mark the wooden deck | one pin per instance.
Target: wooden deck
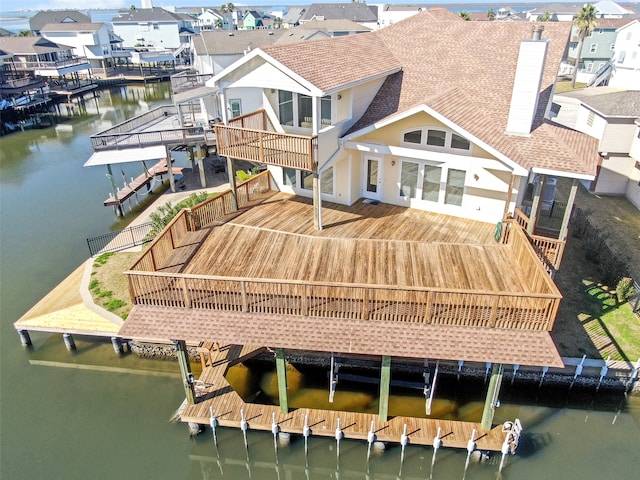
(226, 405)
(63, 311)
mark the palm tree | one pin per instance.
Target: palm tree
(585, 22)
(464, 15)
(545, 17)
(491, 15)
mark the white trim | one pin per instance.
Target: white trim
(558, 173)
(430, 155)
(515, 167)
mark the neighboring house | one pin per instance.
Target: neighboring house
(625, 67)
(564, 12)
(560, 12)
(293, 16)
(612, 115)
(252, 20)
(43, 18)
(358, 12)
(334, 28)
(91, 40)
(39, 57)
(597, 48)
(215, 50)
(210, 19)
(154, 27)
(609, 9)
(506, 14)
(390, 14)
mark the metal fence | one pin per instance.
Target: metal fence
(120, 240)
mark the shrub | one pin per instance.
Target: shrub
(612, 267)
(594, 244)
(243, 176)
(625, 289)
(580, 222)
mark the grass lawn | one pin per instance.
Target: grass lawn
(108, 286)
(564, 86)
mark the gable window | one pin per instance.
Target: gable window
(594, 48)
(459, 142)
(455, 187)
(414, 136)
(436, 138)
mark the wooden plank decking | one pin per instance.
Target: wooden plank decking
(226, 405)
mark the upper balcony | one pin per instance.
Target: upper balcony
(53, 68)
(247, 138)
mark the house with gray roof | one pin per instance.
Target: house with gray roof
(612, 116)
(46, 17)
(155, 28)
(92, 40)
(293, 16)
(358, 12)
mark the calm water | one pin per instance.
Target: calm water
(92, 415)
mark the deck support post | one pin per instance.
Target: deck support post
(490, 403)
(507, 203)
(281, 370)
(172, 181)
(117, 208)
(25, 339)
(317, 202)
(116, 343)
(185, 370)
(385, 380)
(568, 209)
(203, 174)
(232, 182)
(535, 203)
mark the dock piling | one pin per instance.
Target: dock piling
(117, 345)
(25, 339)
(68, 341)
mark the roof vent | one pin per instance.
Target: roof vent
(230, 34)
(270, 33)
(536, 32)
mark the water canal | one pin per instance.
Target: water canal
(92, 415)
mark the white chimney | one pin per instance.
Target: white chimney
(526, 86)
(147, 3)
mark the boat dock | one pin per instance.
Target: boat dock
(214, 394)
(138, 183)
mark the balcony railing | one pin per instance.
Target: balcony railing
(549, 250)
(247, 138)
(50, 65)
(184, 81)
(128, 134)
(151, 282)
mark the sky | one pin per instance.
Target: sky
(11, 5)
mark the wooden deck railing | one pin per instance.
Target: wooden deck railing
(246, 138)
(528, 311)
(549, 250)
(490, 309)
(201, 216)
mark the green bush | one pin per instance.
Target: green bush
(243, 176)
(625, 289)
(594, 244)
(580, 222)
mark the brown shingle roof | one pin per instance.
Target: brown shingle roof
(463, 70)
(398, 339)
(338, 61)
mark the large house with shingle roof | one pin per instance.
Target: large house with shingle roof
(404, 132)
(46, 17)
(358, 12)
(385, 156)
